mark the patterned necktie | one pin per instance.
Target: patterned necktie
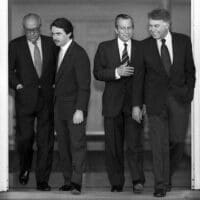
(125, 57)
(37, 59)
(165, 57)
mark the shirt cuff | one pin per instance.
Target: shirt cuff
(117, 76)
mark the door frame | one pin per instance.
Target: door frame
(195, 114)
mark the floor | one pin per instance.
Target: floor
(98, 194)
(95, 182)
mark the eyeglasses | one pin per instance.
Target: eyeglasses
(129, 28)
(32, 30)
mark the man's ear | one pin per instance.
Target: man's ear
(69, 34)
(168, 25)
(116, 31)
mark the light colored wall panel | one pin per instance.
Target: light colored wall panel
(4, 97)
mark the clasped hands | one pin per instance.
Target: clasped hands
(125, 70)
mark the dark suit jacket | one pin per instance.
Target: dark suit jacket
(22, 70)
(107, 59)
(152, 84)
(72, 83)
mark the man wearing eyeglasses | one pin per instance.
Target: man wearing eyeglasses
(114, 64)
(32, 66)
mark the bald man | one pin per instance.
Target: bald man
(32, 65)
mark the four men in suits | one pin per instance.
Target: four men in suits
(159, 73)
(72, 92)
(114, 64)
(32, 65)
(164, 81)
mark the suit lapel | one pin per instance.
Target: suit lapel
(115, 53)
(65, 61)
(44, 54)
(27, 55)
(132, 51)
(175, 48)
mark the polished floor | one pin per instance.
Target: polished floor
(95, 182)
(98, 194)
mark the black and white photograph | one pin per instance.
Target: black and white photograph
(100, 99)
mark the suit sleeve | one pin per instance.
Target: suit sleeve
(12, 70)
(138, 79)
(83, 75)
(189, 70)
(102, 71)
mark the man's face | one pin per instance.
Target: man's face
(124, 29)
(32, 29)
(158, 28)
(59, 36)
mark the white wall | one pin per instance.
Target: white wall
(3, 97)
(196, 105)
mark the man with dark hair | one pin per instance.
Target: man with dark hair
(164, 82)
(32, 66)
(72, 92)
(114, 64)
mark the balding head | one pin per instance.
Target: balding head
(31, 25)
(31, 19)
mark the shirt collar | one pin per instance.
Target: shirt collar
(38, 41)
(168, 37)
(66, 46)
(121, 43)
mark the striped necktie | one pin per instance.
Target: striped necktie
(125, 57)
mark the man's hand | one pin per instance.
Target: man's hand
(78, 117)
(137, 114)
(144, 110)
(125, 70)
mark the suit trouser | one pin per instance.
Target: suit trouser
(25, 135)
(72, 149)
(116, 129)
(167, 134)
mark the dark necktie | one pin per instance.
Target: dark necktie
(165, 56)
(37, 59)
(125, 58)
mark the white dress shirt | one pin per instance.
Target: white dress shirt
(62, 52)
(121, 48)
(32, 46)
(168, 43)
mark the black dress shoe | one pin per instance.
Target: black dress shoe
(138, 188)
(65, 188)
(159, 193)
(43, 186)
(24, 177)
(116, 188)
(75, 188)
(168, 188)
